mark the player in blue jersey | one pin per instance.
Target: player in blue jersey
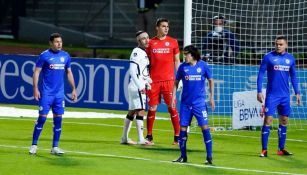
(193, 73)
(51, 66)
(279, 65)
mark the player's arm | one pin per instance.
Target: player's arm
(71, 81)
(211, 88)
(133, 71)
(294, 82)
(36, 92)
(173, 104)
(177, 61)
(262, 70)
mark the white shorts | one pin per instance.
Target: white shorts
(136, 100)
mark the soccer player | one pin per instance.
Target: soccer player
(49, 91)
(279, 64)
(193, 74)
(139, 83)
(163, 52)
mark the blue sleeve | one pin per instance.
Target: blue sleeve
(262, 70)
(294, 80)
(179, 73)
(67, 65)
(40, 61)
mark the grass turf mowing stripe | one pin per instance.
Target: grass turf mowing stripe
(160, 161)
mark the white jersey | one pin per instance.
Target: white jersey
(139, 72)
(139, 64)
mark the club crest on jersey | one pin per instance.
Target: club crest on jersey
(287, 61)
(198, 70)
(186, 77)
(266, 109)
(167, 43)
(135, 54)
(62, 59)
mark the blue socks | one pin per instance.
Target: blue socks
(265, 136)
(38, 129)
(282, 134)
(183, 137)
(208, 142)
(57, 128)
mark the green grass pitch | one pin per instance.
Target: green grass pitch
(92, 147)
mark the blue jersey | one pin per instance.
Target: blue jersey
(193, 81)
(54, 65)
(278, 67)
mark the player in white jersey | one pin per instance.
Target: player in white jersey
(139, 83)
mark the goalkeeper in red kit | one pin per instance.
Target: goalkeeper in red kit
(163, 52)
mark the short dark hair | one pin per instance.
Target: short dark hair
(193, 51)
(54, 35)
(160, 20)
(281, 37)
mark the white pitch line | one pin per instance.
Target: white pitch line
(161, 161)
(163, 130)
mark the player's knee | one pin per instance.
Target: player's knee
(268, 120)
(204, 127)
(183, 128)
(130, 117)
(152, 108)
(138, 117)
(172, 111)
(283, 120)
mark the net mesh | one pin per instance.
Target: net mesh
(255, 24)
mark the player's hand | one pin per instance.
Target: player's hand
(298, 99)
(212, 104)
(74, 95)
(148, 79)
(260, 97)
(147, 86)
(180, 86)
(173, 104)
(36, 94)
(143, 91)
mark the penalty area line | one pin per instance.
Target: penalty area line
(160, 161)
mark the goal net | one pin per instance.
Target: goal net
(254, 24)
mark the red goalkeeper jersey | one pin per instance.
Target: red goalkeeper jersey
(161, 54)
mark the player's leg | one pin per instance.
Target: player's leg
(265, 133)
(44, 107)
(284, 112)
(185, 120)
(140, 127)
(126, 129)
(270, 108)
(167, 89)
(201, 115)
(134, 102)
(154, 98)
(58, 110)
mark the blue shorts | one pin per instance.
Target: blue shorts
(56, 103)
(281, 103)
(199, 112)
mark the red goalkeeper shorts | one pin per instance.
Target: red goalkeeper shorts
(159, 89)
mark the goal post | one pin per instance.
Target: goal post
(254, 24)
